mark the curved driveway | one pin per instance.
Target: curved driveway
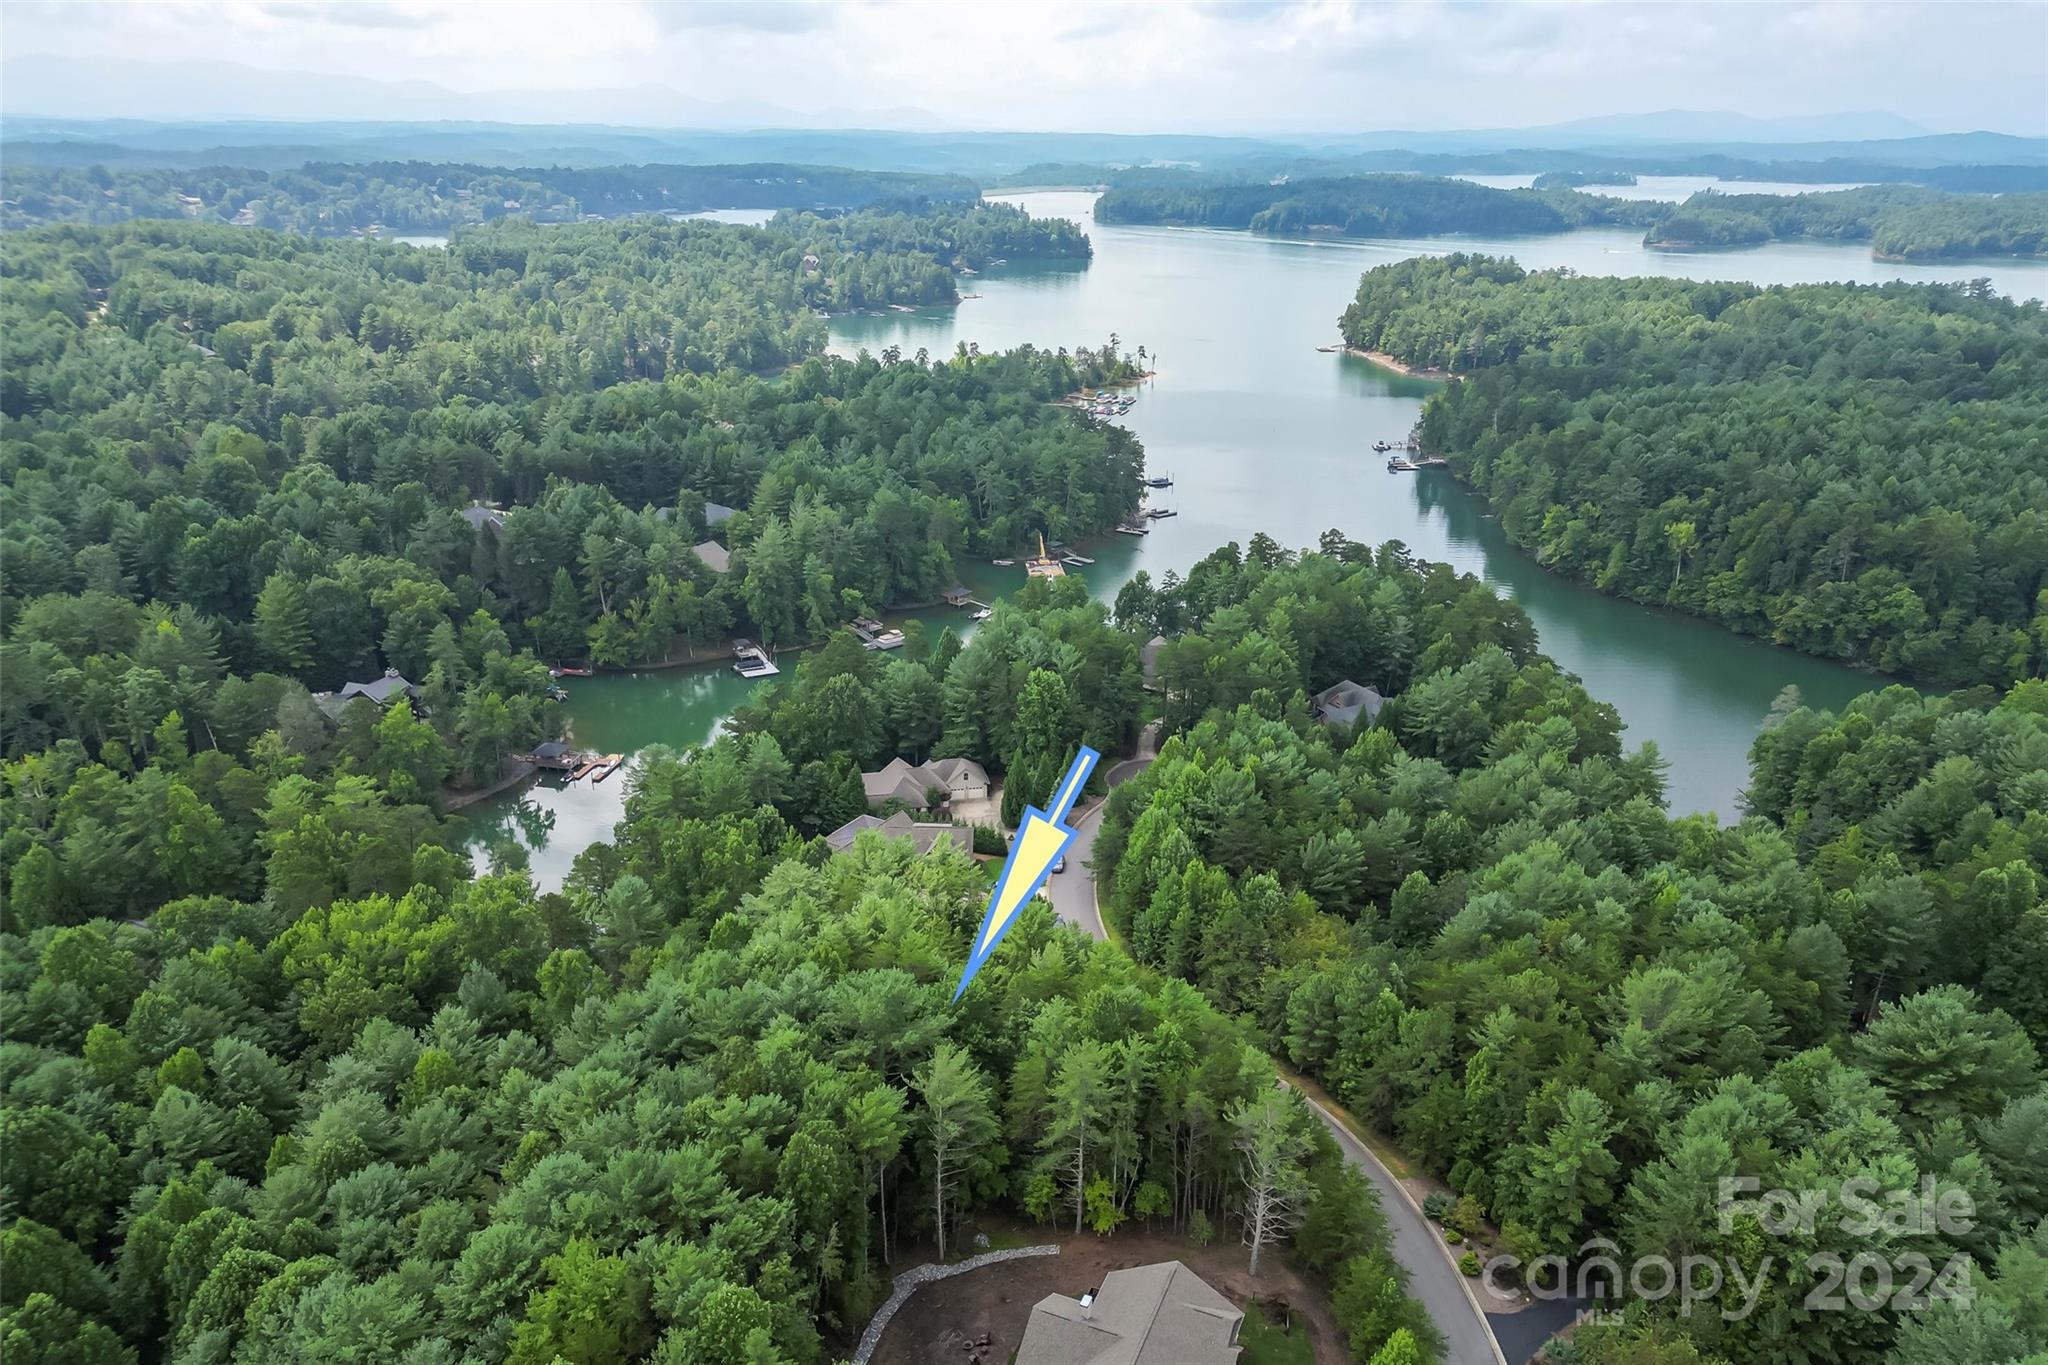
(1433, 1277)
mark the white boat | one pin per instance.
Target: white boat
(981, 615)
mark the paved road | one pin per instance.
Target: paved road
(1433, 1278)
(1073, 891)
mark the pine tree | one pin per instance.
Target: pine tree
(959, 1122)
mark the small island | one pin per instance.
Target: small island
(1572, 180)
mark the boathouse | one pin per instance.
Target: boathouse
(555, 754)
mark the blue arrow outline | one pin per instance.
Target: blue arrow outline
(1062, 802)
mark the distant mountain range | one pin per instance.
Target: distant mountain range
(1689, 127)
(232, 115)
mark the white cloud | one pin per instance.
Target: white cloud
(1209, 65)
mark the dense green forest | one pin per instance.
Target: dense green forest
(1572, 180)
(1858, 472)
(689, 1109)
(1365, 206)
(1902, 223)
(1473, 922)
(286, 1079)
(336, 198)
(236, 470)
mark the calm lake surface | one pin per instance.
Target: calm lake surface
(1671, 189)
(1260, 431)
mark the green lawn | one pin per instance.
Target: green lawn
(1266, 1344)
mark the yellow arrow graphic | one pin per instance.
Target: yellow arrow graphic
(1041, 839)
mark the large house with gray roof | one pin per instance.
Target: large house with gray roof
(926, 837)
(1161, 1314)
(910, 784)
(380, 692)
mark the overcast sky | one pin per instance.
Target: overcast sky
(1198, 65)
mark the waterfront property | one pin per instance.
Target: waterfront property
(716, 557)
(1161, 1314)
(556, 756)
(379, 692)
(754, 663)
(1044, 565)
(926, 836)
(911, 785)
(1345, 702)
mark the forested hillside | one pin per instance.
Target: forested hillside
(696, 1108)
(236, 470)
(1474, 924)
(1900, 222)
(1366, 206)
(335, 198)
(1858, 472)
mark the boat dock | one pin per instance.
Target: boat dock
(876, 635)
(755, 664)
(1068, 557)
(1044, 566)
(1134, 528)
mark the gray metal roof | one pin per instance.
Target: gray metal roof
(1161, 1314)
(1342, 703)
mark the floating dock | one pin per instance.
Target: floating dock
(875, 635)
(606, 766)
(1134, 528)
(755, 665)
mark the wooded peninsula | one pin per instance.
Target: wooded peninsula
(1851, 470)
(1901, 222)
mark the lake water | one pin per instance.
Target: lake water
(741, 217)
(1669, 188)
(1260, 431)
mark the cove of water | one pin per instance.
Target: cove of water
(1260, 431)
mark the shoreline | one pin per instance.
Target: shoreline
(1080, 396)
(465, 799)
(1387, 362)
